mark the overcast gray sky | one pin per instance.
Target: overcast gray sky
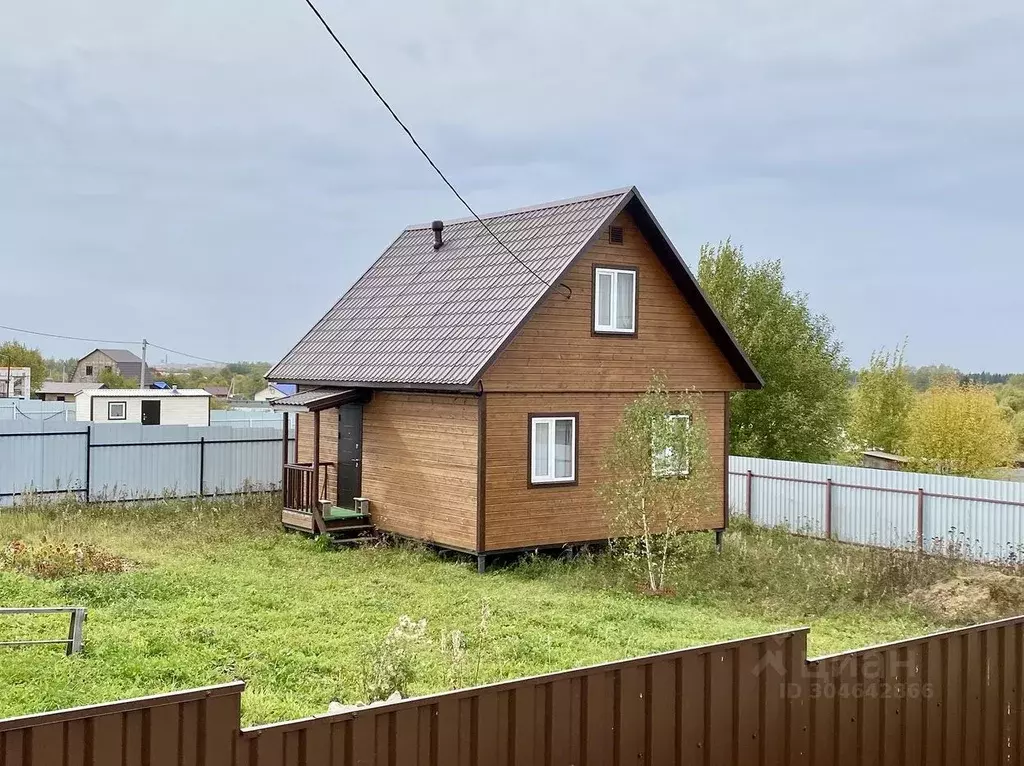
(213, 175)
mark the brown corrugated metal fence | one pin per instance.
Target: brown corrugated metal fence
(951, 698)
(198, 727)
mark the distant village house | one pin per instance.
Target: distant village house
(54, 391)
(274, 391)
(219, 392)
(15, 382)
(118, 360)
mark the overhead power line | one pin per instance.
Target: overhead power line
(69, 337)
(423, 151)
(182, 353)
(104, 340)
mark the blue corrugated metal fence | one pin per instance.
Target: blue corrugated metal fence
(107, 461)
(982, 519)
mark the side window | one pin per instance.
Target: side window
(614, 301)
(667, 460)
(88, 369)
(116, 410)
(552, 452)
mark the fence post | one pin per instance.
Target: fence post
(75, 630)
(920, 518)
(828, 509)
(750, 487)
(88, 459)
(202, 463)
(284, 445)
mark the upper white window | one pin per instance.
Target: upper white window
(116, 410)
(614, 300)
(666, 459)
(552, 449)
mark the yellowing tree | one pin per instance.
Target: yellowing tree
(959, 430)
(882, 401)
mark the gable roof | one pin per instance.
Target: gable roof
(57, 387)
(420, 318)
(119, 355)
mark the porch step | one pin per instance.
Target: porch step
(353, 535)
(334, 513)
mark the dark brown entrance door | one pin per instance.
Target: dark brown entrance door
(350, 454)
(150, 412)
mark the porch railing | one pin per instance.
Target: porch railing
(302, 491)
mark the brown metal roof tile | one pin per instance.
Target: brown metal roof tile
(420, 316)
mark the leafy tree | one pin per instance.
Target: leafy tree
(661, 480)
(60, 369)
(959, 430)
(882, 401)
(113, 379)
(922, 378)
(14, 354)
(1011, 397)
(804, 406)
(246, 386)
(1017, 423)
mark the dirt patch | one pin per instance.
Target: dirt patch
(983, 595)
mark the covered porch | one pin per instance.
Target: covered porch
(321, 492)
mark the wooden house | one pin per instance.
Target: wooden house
(464, 389)
(118, 360)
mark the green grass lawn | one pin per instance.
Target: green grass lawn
(217, 592)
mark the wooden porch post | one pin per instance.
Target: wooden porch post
(316, 452)
(318, 519)
(284, 443)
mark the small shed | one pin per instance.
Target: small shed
(885, 461)
(54, 391)
(149, 406)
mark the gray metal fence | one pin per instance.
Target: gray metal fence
(129, 461)
(249, 415)
(982, 519)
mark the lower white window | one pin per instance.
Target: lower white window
(668, 458)
(552, 449)
(116, 410)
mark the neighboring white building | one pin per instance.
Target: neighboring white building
(149, 406)
(15, 382)
(53, 391)
(274, 391)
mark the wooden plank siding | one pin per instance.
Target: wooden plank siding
(328, 446)
(556, 351)
(420, 466)
(557, 364)
(518, 516)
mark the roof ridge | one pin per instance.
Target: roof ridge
(530, 208)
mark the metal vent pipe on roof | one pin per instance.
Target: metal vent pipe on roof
(438, 227)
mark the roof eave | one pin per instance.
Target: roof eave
(448, 388)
